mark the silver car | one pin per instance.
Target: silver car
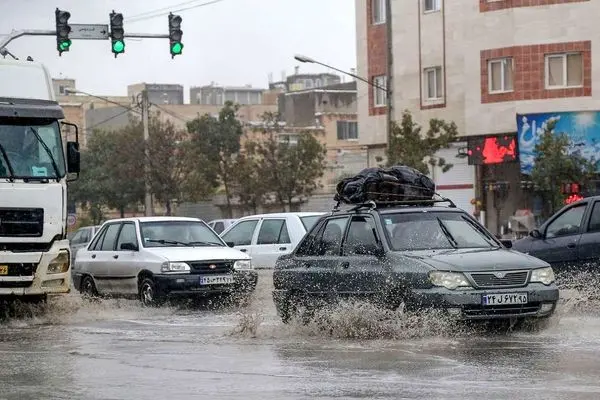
(81, 238)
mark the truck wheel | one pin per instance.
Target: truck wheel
(149, 295)
(88, 287)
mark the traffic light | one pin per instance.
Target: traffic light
(175, 34)
(63, 43)
(117, 34)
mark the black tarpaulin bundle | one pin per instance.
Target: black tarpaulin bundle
(397, 183)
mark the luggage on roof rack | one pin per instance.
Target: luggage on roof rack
(386, 185)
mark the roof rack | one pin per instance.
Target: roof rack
(374, 204)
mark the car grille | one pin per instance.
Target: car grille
(499, 311)
(24, 222)
(204, 267)
(18, 269)
(490, 280)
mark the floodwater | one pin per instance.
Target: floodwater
(115, 349)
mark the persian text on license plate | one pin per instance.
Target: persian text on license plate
(3, 269)
(504, 299)
(216, 280)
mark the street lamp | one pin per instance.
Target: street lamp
(387, 90)
(305, 59)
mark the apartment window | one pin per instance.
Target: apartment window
(432, 5)
(433, 83)
(379, 94)
(347, 130)
(500, 75)
(564, 70)
(378, 11)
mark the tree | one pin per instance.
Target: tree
(217, 142)
(554, 166)
(290, 169)
(167, 148)
(408, 147)
(250, 186)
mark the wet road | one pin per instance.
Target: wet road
(118, 350)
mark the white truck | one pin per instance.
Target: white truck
(34, 166)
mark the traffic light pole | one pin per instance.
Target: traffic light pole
(148, 211)
(37, 32)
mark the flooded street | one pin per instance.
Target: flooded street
(116, 349)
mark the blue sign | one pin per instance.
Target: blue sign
(582, 127)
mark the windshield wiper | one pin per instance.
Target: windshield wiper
(163, 241)
(451, 239)
(48, 151)
(205, 243)
(11, 178)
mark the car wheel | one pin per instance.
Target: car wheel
(88, 287)
(149, 295)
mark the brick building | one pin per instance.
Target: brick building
(499, 69)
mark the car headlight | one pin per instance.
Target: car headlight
(60, 263)
(242, 264)
(542, 275)
(449, 280)
(175, 267)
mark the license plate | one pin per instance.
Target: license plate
(504, 298)
(3, 269)
(216, 280)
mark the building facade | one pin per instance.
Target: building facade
(158, 93)
(217, 95)
(494, 67)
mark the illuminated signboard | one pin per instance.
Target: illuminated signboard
(492, 149)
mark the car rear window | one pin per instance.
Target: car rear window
(309, 222)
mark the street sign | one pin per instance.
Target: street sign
(72, 219)
(89, 31)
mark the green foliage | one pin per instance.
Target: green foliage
(408, 147)
(288, 170)
(554, 167)
(250, 187)
(215, 143)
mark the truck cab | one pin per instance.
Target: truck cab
(35, 164)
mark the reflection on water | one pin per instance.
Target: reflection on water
(75, 349)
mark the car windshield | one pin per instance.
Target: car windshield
(309, 222)
(31, 149)
(178, 233)
(434, 230)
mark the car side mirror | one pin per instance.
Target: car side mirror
(230, 244)
(507, 243)
(536, 234)
(73, 157)
(129, 246)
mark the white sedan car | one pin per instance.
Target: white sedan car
(265, 237)
(155, 257)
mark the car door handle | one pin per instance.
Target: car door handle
(93, 256)
(116, 256)
(571, 245)
(282, 248)
(244, 250)
(345, 264)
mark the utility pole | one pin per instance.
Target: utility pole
(148, 211)
(390, 69)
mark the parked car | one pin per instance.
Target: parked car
(568, 240)
(80, 239)
(424, 256)
(265, 237)
(219, 225)
(156, 257)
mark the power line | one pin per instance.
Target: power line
(106, 120)
(162, 9)
(159, 13)
(105, 99)
(172, 114)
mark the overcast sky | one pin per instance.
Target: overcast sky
(231, 42)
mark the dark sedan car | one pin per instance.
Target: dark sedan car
(424, 257)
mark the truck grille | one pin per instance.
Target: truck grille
(21, 222)
(16, 270)
(204, 267)
(500, 311)
(505, 279)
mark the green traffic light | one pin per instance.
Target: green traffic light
(118, 46)
(176, 48)
(64, 45)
